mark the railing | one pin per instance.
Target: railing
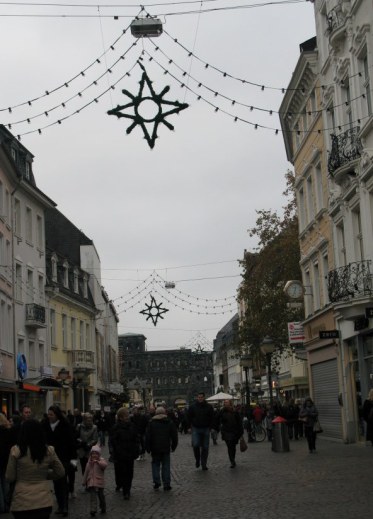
(346, 147)
(335, 18)
(35, 315)
(350, 281)
(83, 359)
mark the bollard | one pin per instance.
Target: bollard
(280, 437)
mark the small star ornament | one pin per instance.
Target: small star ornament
(154, 311)
(157, 99)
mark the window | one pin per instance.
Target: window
(28, 170)
(64, 331)
(28, 224)
(41, 289)
(85, 286)
(308, 298)
(31, 354)
(41, 354)
(73, 333)
(357, 234)
(65, 274)
(341, 246)
(17, 217)
(301, 208)
(316, 286)
(325, 271)
(39, 232)
(30, 286)
(18, 282)
(366, 84)
(346, 94)
(87, 336)
(310, 202)
(81, 335)
(7, 205)
(319, 188)
(76, 281)
(54, 268)
(52, 326)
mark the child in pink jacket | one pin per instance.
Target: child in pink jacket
(94, 480)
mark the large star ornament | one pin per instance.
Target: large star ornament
(138, 119)
(154, 311)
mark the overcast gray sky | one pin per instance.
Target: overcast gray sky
(183, 208)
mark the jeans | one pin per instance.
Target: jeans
(94, 493)
(158, 461)
(200, 442)
(101, 438)
(311, 438)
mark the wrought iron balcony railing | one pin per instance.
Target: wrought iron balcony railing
(346, 147)
(353, 280)
(83, 360)
(335, 18)
(35, 316)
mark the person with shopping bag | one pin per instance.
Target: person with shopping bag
(231, 427)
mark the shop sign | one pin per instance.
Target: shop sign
(369, 312)
(329, 334)
(361, 323)
(296, 333)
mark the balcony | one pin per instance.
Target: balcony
(351, 281)
(83, 360)
(346, 147)
(335, 19)
(35, 316)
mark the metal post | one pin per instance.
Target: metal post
(269, 363)
(247, 387)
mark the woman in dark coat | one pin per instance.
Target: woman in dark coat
(230, 424)
(60, 435)
(7, 440)
(126, 445)
(368, 416)
(308, 415)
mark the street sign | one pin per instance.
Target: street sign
(296, 333)
(329, 334)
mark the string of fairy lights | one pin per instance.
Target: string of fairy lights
(183, 82)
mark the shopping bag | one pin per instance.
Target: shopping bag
(243, 444)
(317, 427)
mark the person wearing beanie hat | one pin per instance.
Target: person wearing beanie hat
(93, 479)
(161, 438)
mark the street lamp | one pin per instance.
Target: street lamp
(267, 347)
(246, 363)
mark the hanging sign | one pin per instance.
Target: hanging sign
(296, 333)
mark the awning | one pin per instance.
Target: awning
(8, 386)
(39, 383)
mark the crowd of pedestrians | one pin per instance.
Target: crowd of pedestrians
(34, 453)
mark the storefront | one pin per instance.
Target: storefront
(37, 393)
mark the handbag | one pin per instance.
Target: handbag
(317, 427)
(243, 444)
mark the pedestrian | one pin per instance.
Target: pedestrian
(101, 420)
(26, 412)
(291, 415)
(200, 419)
(59, 434)
(31, 464)
(7, 440)
(368, 416)
(140, 421)
(94, 481)
(268, 422)
(161, 438)
(308, 415)
(87, 437)
(126, 447)
(231, 428)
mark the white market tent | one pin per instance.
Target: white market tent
(219, 396)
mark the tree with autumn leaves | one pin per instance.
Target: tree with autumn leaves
(265, 273)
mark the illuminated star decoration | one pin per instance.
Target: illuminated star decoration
(138, 119)
(154, 311)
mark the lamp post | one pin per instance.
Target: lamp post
(246, 362)
(267, 347)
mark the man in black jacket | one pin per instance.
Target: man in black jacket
(201, 418)
(161, 437)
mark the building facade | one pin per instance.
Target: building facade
(172, 376)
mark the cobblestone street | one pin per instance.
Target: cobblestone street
(336, 481)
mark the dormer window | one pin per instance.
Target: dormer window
(85, 286)
(76, 280)
(14, 155)
(54, 268)
(66, 274)
(28, 170)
